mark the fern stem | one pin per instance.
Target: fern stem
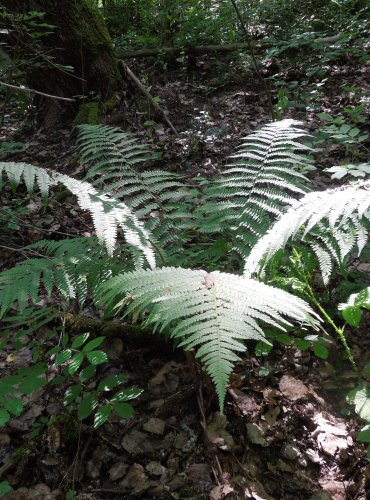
(159, 251)
(339, 331)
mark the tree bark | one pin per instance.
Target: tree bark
(79, 40)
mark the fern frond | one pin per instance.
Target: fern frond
(113, 158)
(330, 221)
(212, 312)
(107, 213)
(73, 267)
(261, 180)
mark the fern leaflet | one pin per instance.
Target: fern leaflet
(330, 221)
(212, 312)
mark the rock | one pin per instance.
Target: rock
(4, 439)
(117, 471)
(133, 442)
(290, 452)
(155, 426)
(199, 475)
(136, 481)
(156, 469)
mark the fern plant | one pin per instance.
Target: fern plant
(331, 221)
(260, 181)
(113, 159)
(213, 313)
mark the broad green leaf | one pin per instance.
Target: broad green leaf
(102, 415)
(320, 350)
(97, 357)
(5, 488)
(63, 357)
(14, 405)
(81, 339)
(87, 373)
(263, 349)
(123, 410)
(93, 344)
(360, 397)
(302, 344)
(344, 129)
(87, 406)
(4, 417)
(325, 117)
(126, 394)
(75, 363)
(32, 384)
(109, 383)
(71, 394)
(364, 434)
(283, 338)
(352, 315)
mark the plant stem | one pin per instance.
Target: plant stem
(337, 329)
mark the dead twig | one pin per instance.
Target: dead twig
(22, 88)
(147, 94)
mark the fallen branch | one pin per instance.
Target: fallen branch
(147, 94)
(198, 50)
(22, 88)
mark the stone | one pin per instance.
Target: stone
(155, 426)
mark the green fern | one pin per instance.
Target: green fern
(330, 221)
(113, 159)
(261, 180)
(212, 312)
(107, 213)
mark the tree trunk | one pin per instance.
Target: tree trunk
(79, 40)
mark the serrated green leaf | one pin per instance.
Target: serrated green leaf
(263, 349)
(4, 417)
(87, 406)
(102, 415)
(80, 340)
(352, 315)
(325, 117)
(71, 394)
(123, 410)
(97, 357)
(283, 338)
(14, 405)
(5, 488)
(360, 397)
(32, 384)
(364, 434)
(87, 373)
(75, 363)
(93, 344)
(320, 350)
(126, 395)
(302, 344)
(63, 357)
(110, 382)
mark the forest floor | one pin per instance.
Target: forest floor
(287, 431)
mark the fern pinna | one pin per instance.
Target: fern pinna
(212, 312)
(331, 222)
(107, 213)
(113, 159)
(260, 181)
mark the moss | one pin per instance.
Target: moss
(88, 113)
(111, 103)
(93, 30)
